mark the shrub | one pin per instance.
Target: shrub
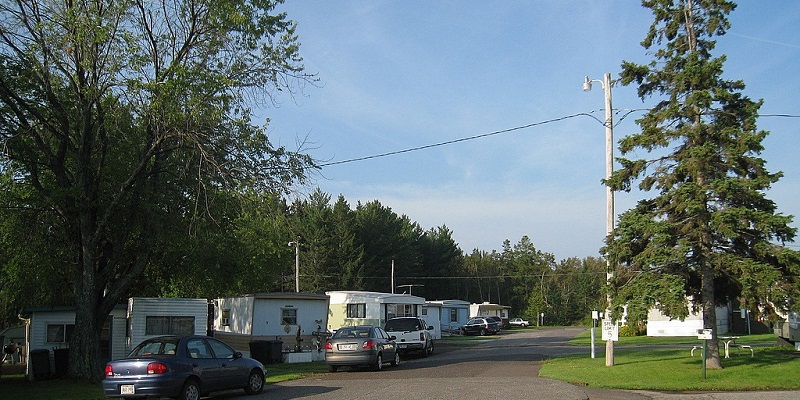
(631, 330)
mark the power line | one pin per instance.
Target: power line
(625, 113)
(448, 142)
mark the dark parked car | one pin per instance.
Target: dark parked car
(498, 320)
(185, 367)
(480, 326)
(361, 345)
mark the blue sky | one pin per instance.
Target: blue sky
(396, 75)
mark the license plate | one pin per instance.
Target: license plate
(127, 389)
(401, 346)
(347, 347)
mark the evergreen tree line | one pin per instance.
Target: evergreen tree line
(241, 246)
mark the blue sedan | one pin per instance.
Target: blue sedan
(184, 367)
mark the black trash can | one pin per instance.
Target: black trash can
(266, 351)
(61, 361)
(276, 351)
(40, 364)
(260, 350)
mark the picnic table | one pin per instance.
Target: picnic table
(729, 341)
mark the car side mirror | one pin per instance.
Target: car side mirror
(237, 354)
(430, 328)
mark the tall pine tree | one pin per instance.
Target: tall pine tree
(709, 234)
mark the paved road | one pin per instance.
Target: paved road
(504, 368)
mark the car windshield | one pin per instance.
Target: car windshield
(402, 324)
(353, 332)
(153, 347)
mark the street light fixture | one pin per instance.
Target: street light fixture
(296, 246)
(609, 125)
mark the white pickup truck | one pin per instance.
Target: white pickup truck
(412, 334)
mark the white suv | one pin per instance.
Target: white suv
(412, 333)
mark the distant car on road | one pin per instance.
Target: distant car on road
(519, 322)
(361, 345)
(480, 326)
(185, 367)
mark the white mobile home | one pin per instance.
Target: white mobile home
(487, 309)
(48, 330)
(294, 319)
(453, 314)
(155, 316)
(431, 313)
(659, 324)
(348, 308)
(47, 334)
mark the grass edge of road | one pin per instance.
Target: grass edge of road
(666, 364)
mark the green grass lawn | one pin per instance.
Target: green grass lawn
(584, 339)
(287, 372)
(673, 368)
(15, 387)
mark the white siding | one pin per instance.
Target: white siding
(461, 308)
(430, 314)
(38, 334)
(39, 322)
(659, 324)
(267, 316)
(375, 304)
(241, 314)
(488, 310)
(139, 308)
(119, 328)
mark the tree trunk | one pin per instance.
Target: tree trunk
(84, 349)
(710, 317)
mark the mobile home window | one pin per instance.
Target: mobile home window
(400, 310)
(406, 310)
(289, 316)
(171, 325)
(453, 315)
(59, 333)
(358, 310)
(226, 317)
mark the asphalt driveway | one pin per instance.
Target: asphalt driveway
(503, 368)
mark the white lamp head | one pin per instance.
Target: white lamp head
(587, 84)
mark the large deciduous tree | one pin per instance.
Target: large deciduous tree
(709, 234)
(118, 116)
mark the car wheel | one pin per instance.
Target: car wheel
(483, 332)
(190, 390)
(378, 363)
(255, 383)
(333, 368)
(396, 362)
(429, 350)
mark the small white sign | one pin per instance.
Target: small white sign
(595, 314)
(610, 330)
(704, 334)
